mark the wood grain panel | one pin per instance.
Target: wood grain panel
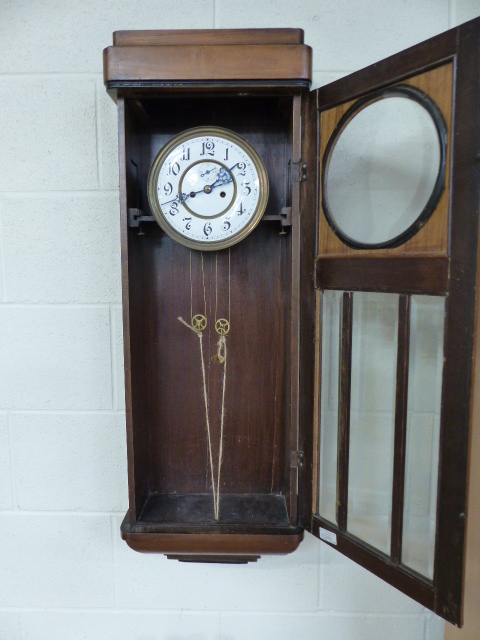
(137, 445)
(208, 63)
(308, 233)
(400, 274)
(433, 237)
(167, 381)
(207, 36)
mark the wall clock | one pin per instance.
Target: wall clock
(299, 277)
(208, 188)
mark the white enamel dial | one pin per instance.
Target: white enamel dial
(208, 188)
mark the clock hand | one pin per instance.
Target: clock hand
(193, 194)
(224, 176)
(219, 170)
(179, 199)
(236, 165)
(208, 171)
(186, 196)
(173, 200)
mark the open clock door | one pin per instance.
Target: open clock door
(395, 307)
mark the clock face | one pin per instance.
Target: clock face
(208, 188)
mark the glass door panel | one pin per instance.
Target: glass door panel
(328, 458)
(372, 417)
(423, 432)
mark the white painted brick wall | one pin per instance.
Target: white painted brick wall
(69, 461)
(64, 572)
(6, 501)
(62, 249)
(56, 560)
(48, 133)
(55, 357)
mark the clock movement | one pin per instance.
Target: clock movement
(299, 274)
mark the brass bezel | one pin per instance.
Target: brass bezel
(180, 139)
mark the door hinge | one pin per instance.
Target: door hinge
(298, 171)
(297, 458)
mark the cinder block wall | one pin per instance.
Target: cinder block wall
(64, 572)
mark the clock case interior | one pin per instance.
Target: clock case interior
(256, 83)
(173, 485)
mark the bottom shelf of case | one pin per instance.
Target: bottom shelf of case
(196, 509)
(183, 527)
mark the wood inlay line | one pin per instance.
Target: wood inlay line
(344, 409)
(401, 400)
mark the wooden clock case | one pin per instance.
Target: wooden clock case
(256, 82)
(163, 89)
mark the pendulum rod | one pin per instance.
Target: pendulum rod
(222, 327)
(198, 325)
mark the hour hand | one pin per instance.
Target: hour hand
(223, 177)
(183, 197)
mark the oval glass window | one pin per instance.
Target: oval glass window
(384, 168)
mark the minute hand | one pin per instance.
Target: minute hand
(240, 165)
(224, 176)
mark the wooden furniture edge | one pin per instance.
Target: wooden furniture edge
(217, 544)
(433, 53)
(369, 558)
(152, 37)
(471, 578)
(207, 63)
(471, 615)
(459, 344)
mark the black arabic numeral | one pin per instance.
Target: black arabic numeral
(173, 209)
(241, 166)
(246, 189)
(168, 189)
(189, 223)
(240, 209)
(226, 225)
(186, 154)
(173, 169)
(207, 229)
(226, 155)
(208, 148)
